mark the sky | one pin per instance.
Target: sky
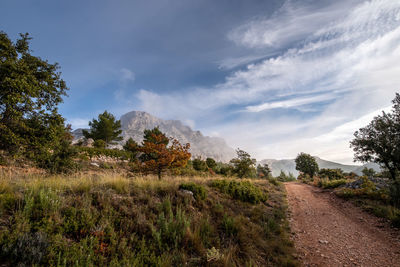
(273, 78)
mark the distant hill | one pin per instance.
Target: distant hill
(288, 165)
(134, 123)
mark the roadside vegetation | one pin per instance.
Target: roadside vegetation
(109, 219)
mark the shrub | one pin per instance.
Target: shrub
(199, 192)
(170, 228)
(243, 190)
(229, 226)
(331, 174)
(395, 193)
(99, 144)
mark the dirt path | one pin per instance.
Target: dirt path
(329, 231)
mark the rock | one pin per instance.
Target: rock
(94, 164)
(88, 142)
(323, 241)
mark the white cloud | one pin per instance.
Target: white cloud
(78, 123)
(347, 54)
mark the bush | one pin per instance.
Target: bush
(243, 190)
(395, 193)
(229, 226)
(99, 144)
(170, 228)
(199, 192)
(331, 174)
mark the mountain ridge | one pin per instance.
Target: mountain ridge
(134, 123)
(289, 166)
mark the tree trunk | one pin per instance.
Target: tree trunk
(159, 174)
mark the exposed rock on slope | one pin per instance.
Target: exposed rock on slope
(134, 123)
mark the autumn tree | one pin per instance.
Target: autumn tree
(380, 140)
(30, 91)
(243, 164)
(306, 164)
(157, 156)
(105, 128)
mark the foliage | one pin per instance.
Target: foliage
(103, 220)
(211, 163)
(283, 177)
(263, 171)
(369, 172)
(92, 152)
(199, 165)
(132, 147)
(307, 164)
(30, 91)
(243, 165)
(331, 174)
(106, 128)
(378, 141)
(99, 143)
(199, 192)
(395, 193)
(158, 157)
(243, 190)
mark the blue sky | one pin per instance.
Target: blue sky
(272, 77)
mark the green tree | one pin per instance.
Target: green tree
(263, 170)
(105, 128)
(133, 147)
(379, 141)
(199, 165)
(306, 164)
(243, 165)
(30, 91)
(369, 172)
(211, 163)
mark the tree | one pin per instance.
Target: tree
(106, 128)
(380, 140)
(30, 91)
(157, 156)
(211, 163)
(243, 165)
(306, 164)
(133, 147)
(199, 165)
(369, 172)
(263, 170)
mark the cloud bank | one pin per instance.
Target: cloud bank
(335, 66)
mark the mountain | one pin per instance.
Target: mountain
(134, 123)
(289, 165)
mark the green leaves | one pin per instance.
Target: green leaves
(306, 163)
(105, 128)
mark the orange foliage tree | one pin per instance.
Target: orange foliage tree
(157, 156)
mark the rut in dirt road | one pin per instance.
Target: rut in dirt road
(329, 231)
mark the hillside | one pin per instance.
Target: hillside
(289, 165)
(134, 123)
(110, 219)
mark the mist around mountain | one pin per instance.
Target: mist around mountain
(289, 166)
(134, 123)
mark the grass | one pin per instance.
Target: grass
(107, 218)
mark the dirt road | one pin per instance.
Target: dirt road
(329, 231)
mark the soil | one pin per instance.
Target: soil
(329, 231)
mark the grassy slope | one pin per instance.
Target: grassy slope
(108, 219)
